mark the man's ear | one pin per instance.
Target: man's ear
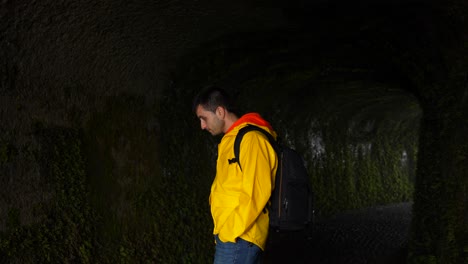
(220, 112)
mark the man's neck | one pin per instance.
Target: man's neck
(229, 121)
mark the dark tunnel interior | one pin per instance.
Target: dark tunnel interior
(102, 159)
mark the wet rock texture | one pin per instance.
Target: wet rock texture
(371, 235)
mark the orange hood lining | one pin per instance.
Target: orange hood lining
(253, 118)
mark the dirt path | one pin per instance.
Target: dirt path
(373, 235)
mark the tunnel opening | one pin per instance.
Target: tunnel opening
(346, 109)
(351, 116)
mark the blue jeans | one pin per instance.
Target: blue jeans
(241, 252)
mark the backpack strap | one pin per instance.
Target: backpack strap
(241, 134)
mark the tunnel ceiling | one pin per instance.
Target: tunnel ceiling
(289, 67)
(387, 41)
(337, 64)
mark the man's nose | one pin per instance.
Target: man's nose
(202, 125)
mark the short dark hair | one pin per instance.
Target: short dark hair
(212, 97)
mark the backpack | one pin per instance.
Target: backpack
(290, 204)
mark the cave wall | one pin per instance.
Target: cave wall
(96, 120)
(440, 213)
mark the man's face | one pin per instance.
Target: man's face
(210, 121)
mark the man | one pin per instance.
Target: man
(238, 196)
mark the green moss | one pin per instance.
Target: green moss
(66, 232)
(146, 185)
(7, 152)
(439, 223)
(13, 220)
(3, 153)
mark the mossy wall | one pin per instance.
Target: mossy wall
(440, 228)
(65, 228)
(147, 212)
(437, 67)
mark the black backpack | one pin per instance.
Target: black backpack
(291, 200)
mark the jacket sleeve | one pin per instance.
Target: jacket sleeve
(259, 163)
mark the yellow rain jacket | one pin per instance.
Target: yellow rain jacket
(238, 197)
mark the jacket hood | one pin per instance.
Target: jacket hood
(254, 119)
